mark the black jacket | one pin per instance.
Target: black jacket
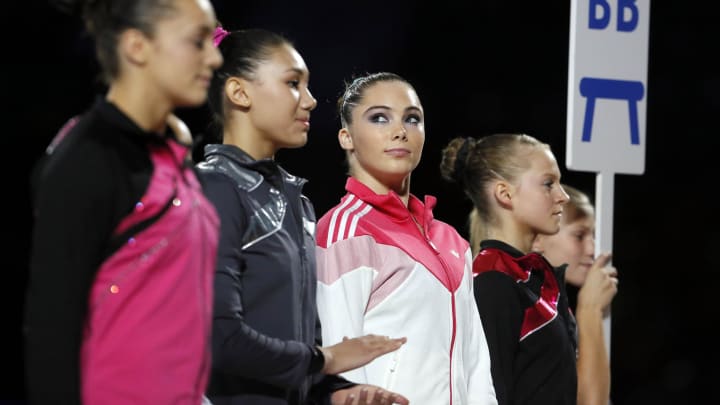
(530, 330)
(86, 189)
(265, 322)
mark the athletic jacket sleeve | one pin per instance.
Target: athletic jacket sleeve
(238, 349)
(476, 351)
(322, 390)
(325, 384)
(501, 313)
(76, 208)
(346, 271)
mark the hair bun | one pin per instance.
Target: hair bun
(461, 160)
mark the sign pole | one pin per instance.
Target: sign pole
(604, 189)
(607, 100)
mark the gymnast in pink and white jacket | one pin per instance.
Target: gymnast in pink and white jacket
(386, 266)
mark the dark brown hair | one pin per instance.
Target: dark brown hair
(355, 91)
(105, 20)
(243, 51)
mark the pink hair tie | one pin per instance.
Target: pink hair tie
(218, 35)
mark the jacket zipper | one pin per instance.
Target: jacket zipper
(427, 240)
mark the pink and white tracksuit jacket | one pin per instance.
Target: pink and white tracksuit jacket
(379, 274)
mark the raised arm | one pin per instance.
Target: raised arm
(593, 365)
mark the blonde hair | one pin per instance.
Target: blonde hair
(578, 206)
(475, 163)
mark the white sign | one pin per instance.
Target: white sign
(607, 86)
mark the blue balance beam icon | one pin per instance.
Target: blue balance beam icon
(593, 88)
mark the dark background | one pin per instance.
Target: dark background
(479, 67)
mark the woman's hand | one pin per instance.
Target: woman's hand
(357, 352)
(364, 394)
(600, 285)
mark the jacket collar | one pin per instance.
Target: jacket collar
(391, 205)
(268, 168)
(532, 259)
(231, 152)
(498, 244)
(114, 115)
